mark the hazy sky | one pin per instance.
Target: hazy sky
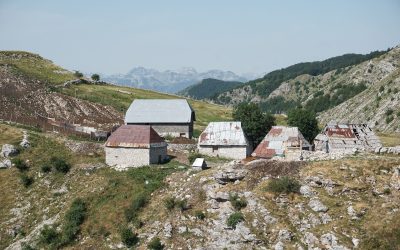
(242, 36)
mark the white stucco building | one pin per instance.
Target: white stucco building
(135, 146)
(224, 139)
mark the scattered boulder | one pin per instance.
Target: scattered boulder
(310, 240)
(168, 230)
(8, 150)
(5, 163)
(25, 142)
(307, 191)
(395, 179)
(230, 175)
(285, 235)
(317, 206)
(329, 241)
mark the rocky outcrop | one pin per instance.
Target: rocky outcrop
(8, 150)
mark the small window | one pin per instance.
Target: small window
(181, 134)
(214, 148)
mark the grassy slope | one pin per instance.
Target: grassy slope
(107, 192)
(36, 67)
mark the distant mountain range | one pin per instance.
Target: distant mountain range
(170, 81)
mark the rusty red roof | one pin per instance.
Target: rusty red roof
(134, 136)
(343, 131)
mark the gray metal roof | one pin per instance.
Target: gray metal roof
(223, 133)
(159, 111)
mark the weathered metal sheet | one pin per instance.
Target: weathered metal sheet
(223, 134)
(159, 111)
(135, 136)
(279, 140)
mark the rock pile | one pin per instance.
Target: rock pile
(8, 150)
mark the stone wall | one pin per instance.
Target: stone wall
(158, 154)
(232, 152)
(127, 157)
(175, 130)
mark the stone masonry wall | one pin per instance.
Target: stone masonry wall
(237, 153)
(127, 157)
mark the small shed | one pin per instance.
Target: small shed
(287, 142)
(346, 137)
(199, 163)
(224, 139)
(135, 146)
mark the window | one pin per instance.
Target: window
(214, 148)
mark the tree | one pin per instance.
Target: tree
(255, 123)
(305, 120)
(78, 74)
(95, 77)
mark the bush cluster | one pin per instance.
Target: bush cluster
(155, 244)
(139, 202)
(237, 202)
(234, 219)
(171, 202)
(284, 185)
(71, 226)
(73, 219)
(128, 237)
(20, 164)
(200, 215)
(60, 165)
(26, 180)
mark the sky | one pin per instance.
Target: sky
(254, 36)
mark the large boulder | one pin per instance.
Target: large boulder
(230, 175)
(5, 163)
(317, 206)
(8, 150)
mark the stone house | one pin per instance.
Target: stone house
(224, 139)
(135, 146)
(346, 137)
(281, 141)
(172, 117)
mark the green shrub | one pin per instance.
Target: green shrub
(389, 112)
(234, 219)
(193, 156)
(49, 236)
(128, 237)
(170, 203)
(237, 202)
(386, 191)
(155, 244)
(26, 247)
(182, 205)
(45, 168)
(20, 164)
(26, 180)
(200, 215)
(137, 204)
(73, 219)
(60, 165)
(389, 119)
(284, 185)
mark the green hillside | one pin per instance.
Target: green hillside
(208, 88)
(51, 77)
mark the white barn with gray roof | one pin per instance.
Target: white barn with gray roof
(224, 139)
(172, 117)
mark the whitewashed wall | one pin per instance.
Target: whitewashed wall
(127, 157)
(231, 152)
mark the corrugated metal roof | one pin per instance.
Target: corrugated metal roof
(134, 136)
(278, 139)
(159, 111)
(223, 133)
